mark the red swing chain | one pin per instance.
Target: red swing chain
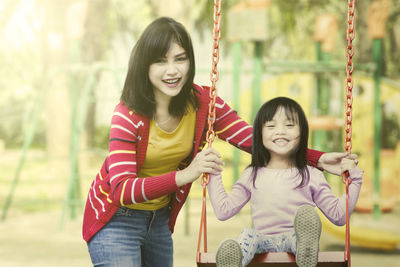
(211, 119)
(348, 115)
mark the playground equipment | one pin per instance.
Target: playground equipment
(389, 155)
(284, 259)
(365, 236)
(380, 191)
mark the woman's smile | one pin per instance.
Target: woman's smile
(172, 82)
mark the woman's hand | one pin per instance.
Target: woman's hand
(207, 161)
(347, 164)
(332, 162)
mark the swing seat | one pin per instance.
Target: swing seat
(283, 259)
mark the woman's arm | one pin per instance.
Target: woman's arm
(313, 156)
(231, 128)
(236, 131)
(126, 187)
(207, 161)
(227, 205)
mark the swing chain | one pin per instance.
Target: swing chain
(349, 82)
(214, 78)
(349, 79)
(348, 114)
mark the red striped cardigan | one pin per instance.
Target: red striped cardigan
(117, 180)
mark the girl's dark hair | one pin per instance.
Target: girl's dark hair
(260, 155)
(152, 45)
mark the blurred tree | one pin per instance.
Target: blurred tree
(8, 7)
(95, 44)
(18, 54)
(55, 55)
(204, 21)
(110, 22)
(292, 24)
(392, 42)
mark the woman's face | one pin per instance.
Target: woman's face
(281, 135)
(169, 74)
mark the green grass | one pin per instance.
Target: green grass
(43, 181)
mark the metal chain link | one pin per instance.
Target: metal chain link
(349, 79)
(210, 135)
(348, 115)
(214, 78)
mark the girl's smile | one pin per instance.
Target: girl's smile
(281, 141)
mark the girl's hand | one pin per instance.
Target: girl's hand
(207, 161)
(331, 162)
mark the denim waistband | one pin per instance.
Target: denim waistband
(124, 211)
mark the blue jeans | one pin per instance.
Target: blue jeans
(134, 238)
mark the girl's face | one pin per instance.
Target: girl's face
(281, 136)
(169, 74)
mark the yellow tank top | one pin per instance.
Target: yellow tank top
(165, 151)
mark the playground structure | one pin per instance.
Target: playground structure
(380, 191)
(376, 168)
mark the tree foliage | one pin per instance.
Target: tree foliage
(112, 25)
(292, 26)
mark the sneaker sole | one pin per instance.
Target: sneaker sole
(307, 226)
(229, 254)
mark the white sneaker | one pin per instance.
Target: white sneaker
(307, 226)
(229, 254)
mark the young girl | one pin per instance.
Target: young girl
(282, 190)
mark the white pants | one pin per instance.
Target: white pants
(251, 242)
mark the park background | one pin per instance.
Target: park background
(63, 65)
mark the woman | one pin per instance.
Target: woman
(155, 152)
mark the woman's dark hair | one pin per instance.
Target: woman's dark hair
(260, 155)
(152, 45)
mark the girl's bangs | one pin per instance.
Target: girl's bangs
(290, 113)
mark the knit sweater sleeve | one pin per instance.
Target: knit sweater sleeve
(127, 188)
(313, 156)
(227, 205)
(332, 207)
(231, 128)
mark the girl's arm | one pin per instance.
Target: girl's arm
(333, 207)
(226, 205)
